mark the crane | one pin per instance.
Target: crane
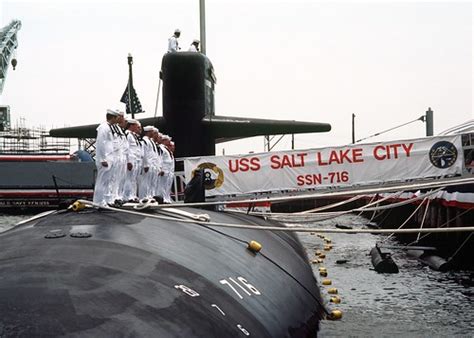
(8, 44)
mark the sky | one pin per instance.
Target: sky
(319, 61)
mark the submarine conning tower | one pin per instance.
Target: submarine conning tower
(188, 97)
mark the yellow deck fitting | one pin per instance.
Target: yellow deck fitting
(78, 206)
(254, 246)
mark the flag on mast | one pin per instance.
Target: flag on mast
(133, 106)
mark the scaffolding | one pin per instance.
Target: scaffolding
(32, 141)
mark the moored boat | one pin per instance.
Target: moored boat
(39, 172)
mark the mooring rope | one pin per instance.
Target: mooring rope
(333, 213)
(287, 229)
(439, 183)
(401, 203)
(331, 206)
(423, 219)
(406, 221)
(442, 225)
(313, 217)
(460, 247)
(374, 196)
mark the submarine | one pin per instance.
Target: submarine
(104, 273)
(160, 271)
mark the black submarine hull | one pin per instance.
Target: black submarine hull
(106, 273)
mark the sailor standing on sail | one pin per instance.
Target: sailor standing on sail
(173, 42)
(105, 160)
(194, 46)
(130, 191)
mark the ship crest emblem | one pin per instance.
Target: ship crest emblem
(213, 175)
(443, 154)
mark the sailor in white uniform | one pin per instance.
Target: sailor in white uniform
(121, 153)
(166, 181)
(173, 42)
(130, 191)
(105, 160)
(159, 163)
(146, 189)
(194, 46)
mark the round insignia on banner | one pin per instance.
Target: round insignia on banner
(213, 175)
(443, 154)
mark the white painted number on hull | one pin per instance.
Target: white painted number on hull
(245, 332)
(186, 290)
(241, 282)
(244, 285)
(218, 308)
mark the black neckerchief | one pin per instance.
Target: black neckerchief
(153, 145)
(111, 128)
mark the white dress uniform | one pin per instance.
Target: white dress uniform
(140, 165)
(166, 181)
(105, 182)
(173, 44)
(121, 153)
(130, 191)
(154, 162)
(158, 167)
(192, 48)
(145, 188)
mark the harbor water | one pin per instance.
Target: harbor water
(417, 302)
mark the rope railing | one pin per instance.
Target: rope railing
(282, 228)
(439, 183)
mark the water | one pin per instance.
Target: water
(416, 302)
(7, 221)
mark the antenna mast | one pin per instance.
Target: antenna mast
(202, 25)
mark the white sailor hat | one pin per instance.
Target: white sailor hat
(148, 128)
(177, 30)
(165, 137)
(112, 112)
(133, 121)
(156, 129)
(120, 112)
(196, 41)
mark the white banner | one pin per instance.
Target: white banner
(334, 166)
